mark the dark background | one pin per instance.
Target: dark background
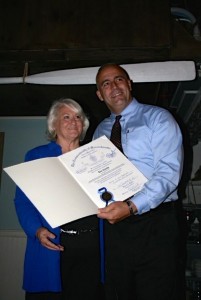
(50, 35)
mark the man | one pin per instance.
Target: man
(142, 234)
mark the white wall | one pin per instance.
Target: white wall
(21, 134)
(11, 264)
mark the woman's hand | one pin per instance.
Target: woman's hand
(44, 236)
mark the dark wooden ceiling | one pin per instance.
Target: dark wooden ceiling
(54, 35)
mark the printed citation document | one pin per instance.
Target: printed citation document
(75, 184)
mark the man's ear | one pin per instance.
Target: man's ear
(130, 83)
(99, 95)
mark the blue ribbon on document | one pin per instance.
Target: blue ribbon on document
(105, 196)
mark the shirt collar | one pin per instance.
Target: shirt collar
(129, 109)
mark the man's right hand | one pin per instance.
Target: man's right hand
(115, 212)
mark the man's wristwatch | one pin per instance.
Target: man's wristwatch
(130, 206)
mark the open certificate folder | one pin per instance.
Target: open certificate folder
(75, 184)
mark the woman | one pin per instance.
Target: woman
(67, 125)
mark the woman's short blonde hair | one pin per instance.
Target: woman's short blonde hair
(53, 114)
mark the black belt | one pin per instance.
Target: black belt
(78, 231)
(162, 208)
(166, 205)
